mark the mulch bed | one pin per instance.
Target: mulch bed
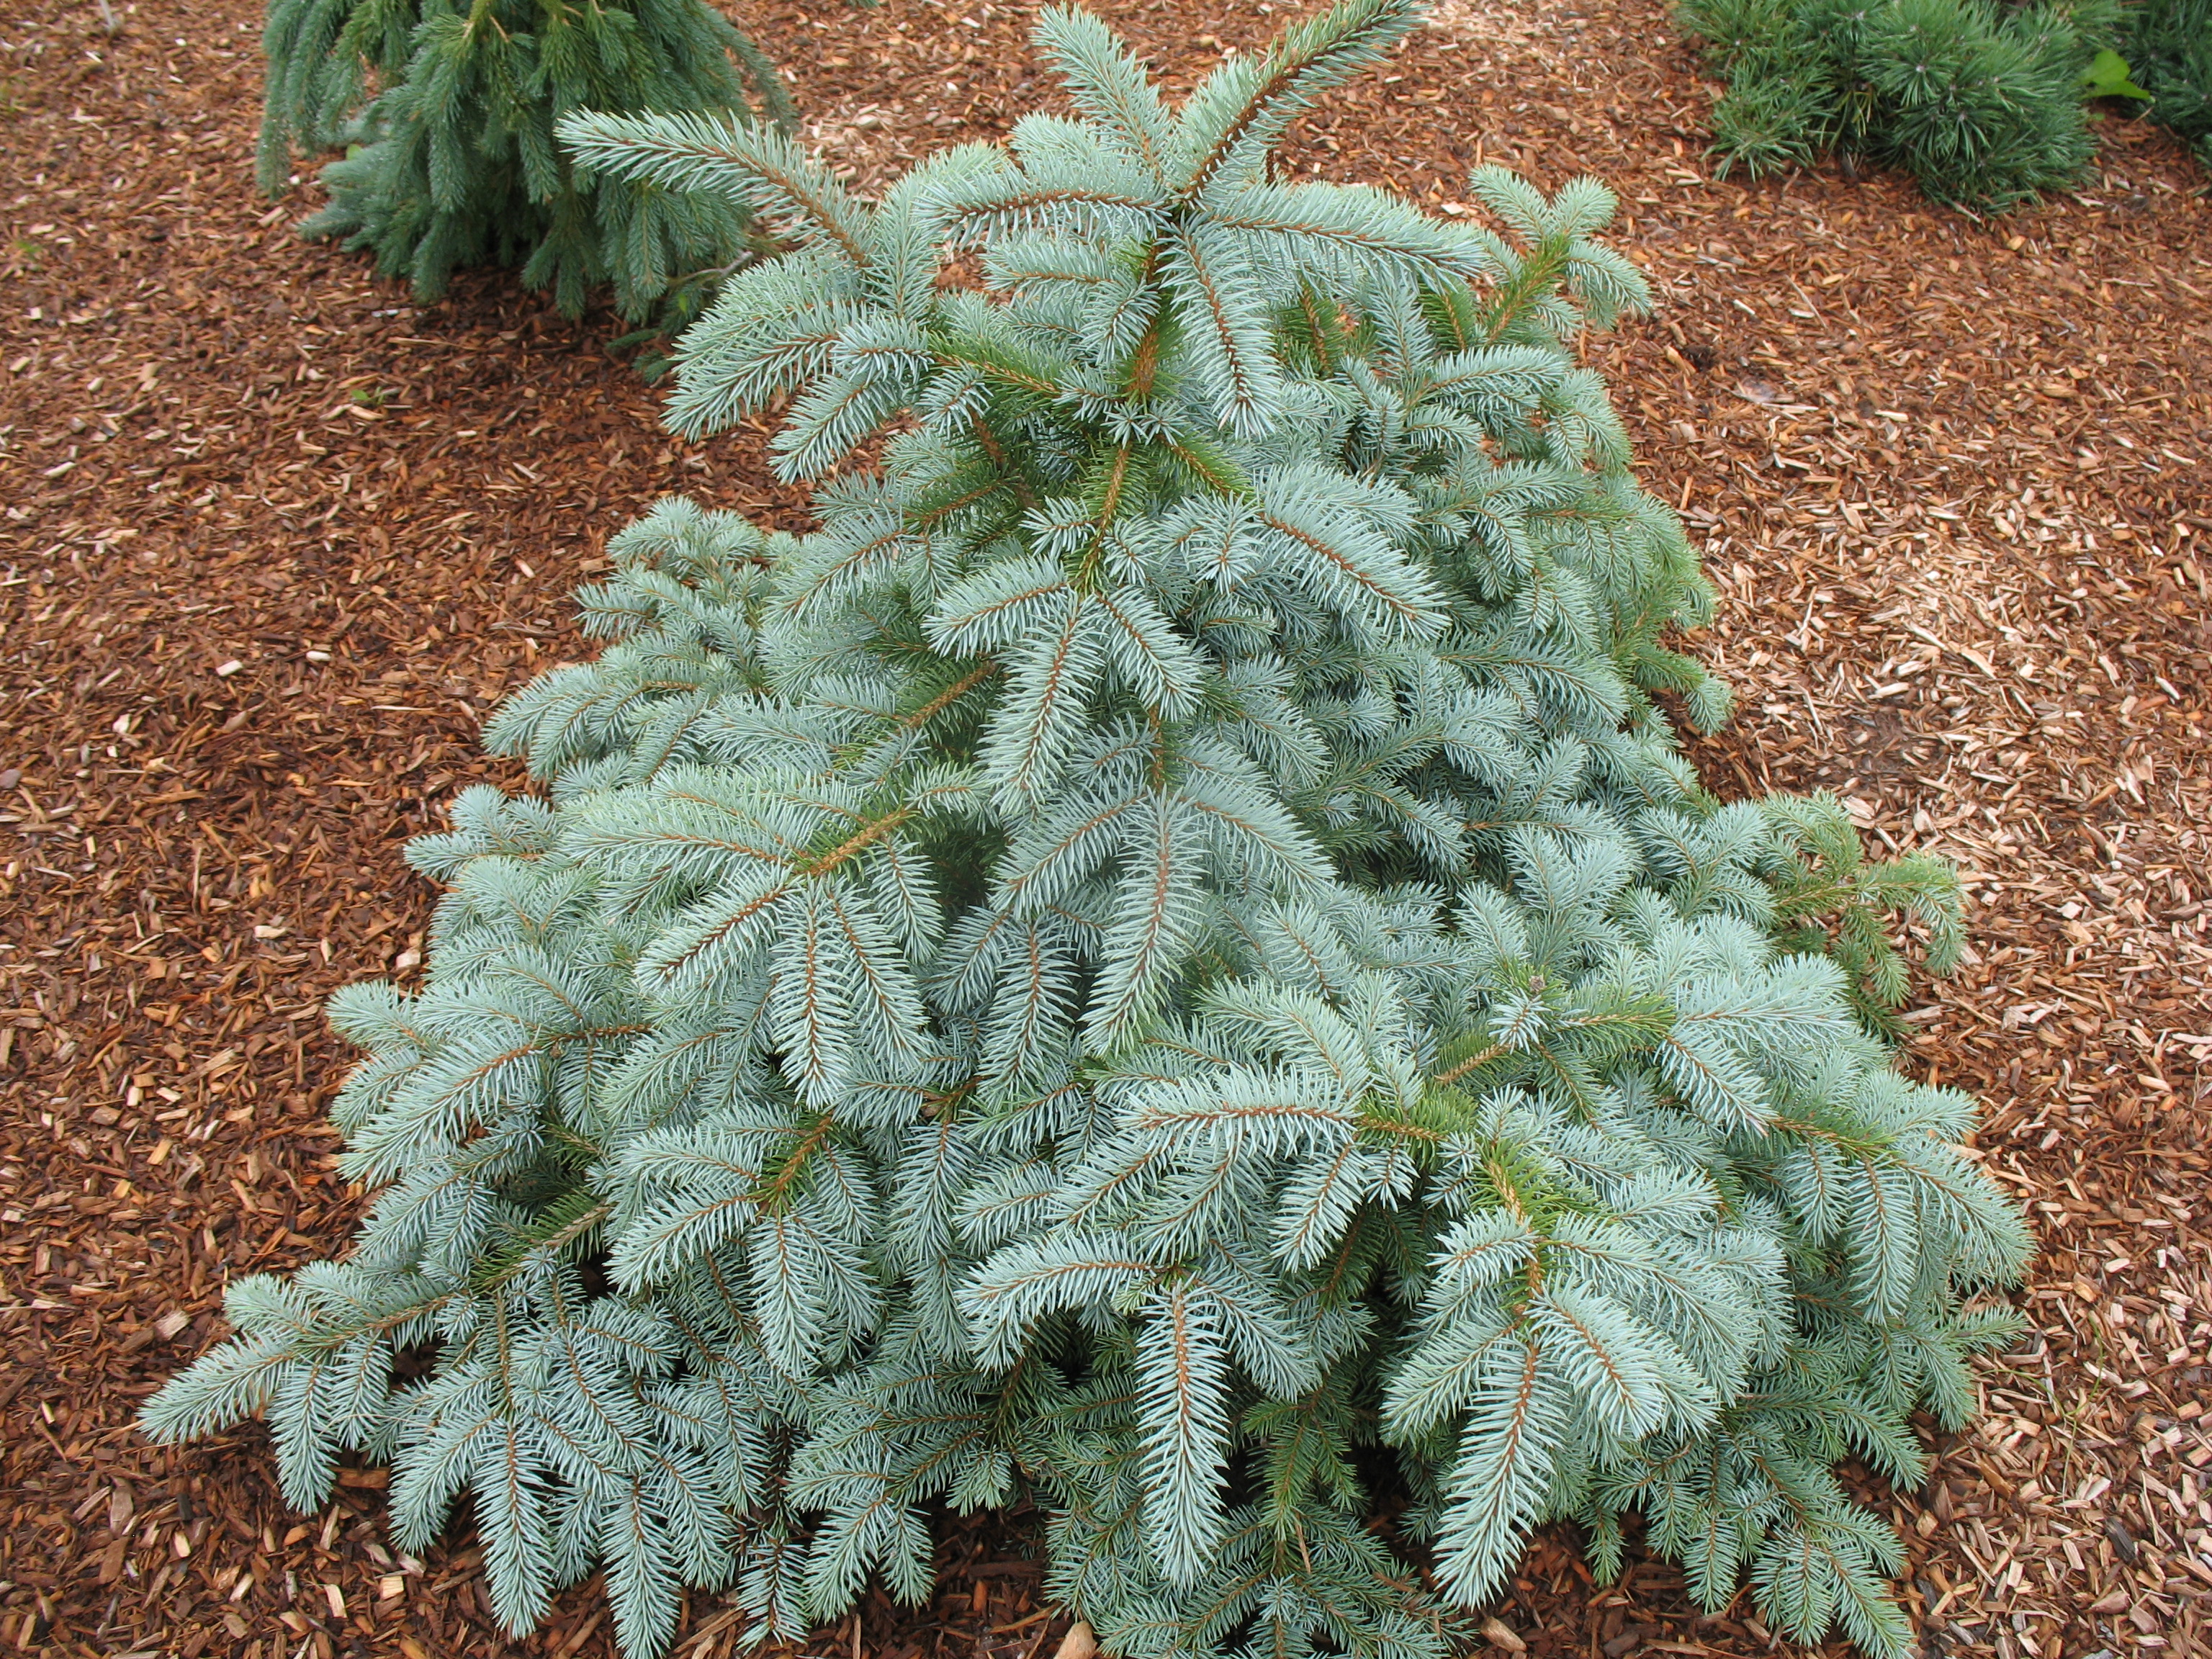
(272, 539)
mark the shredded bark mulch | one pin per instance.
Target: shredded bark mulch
(272, 538)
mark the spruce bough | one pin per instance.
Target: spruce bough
(1165, 959)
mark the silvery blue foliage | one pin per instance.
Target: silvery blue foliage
(1165, 959)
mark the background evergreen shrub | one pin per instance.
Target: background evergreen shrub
(447, 110)
(2170, 52)
(1981, 102)
(1165, 959)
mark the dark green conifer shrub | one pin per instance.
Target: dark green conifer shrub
(1165, 961)
(2170, 56)
(1981, 102)
(448, 108)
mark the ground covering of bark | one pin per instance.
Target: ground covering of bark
(272, 539)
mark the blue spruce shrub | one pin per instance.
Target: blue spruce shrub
(1165, 960)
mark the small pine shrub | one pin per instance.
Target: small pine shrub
(1164, 961)
(448, 112)
(2170, 53)
(1982, 103)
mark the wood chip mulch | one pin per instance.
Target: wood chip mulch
(272, 538)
